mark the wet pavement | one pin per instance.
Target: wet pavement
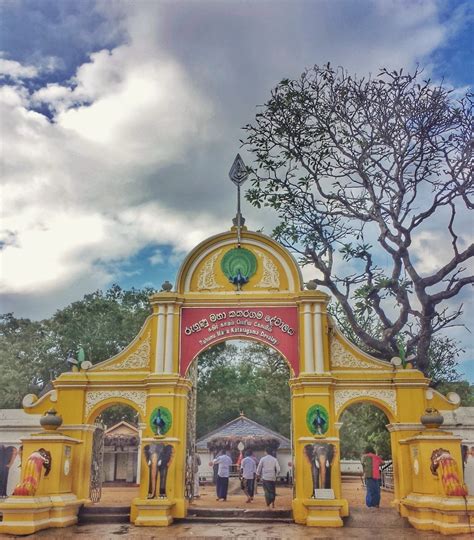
(363, 523)
(231, 531)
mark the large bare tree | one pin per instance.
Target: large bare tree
(361, 172)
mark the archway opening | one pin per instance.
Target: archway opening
(118, 425)
(241, 404)
(364, 426)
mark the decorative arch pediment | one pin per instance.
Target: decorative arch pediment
(276, 269)
(345, 355)
(136, 356)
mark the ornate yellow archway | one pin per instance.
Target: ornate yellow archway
(222, 291)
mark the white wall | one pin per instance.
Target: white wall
(461, 423)
(15, 424)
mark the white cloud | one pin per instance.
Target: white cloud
(143, 135)
(157, 258)
(15, 70)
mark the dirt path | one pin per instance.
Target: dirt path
(353, 491)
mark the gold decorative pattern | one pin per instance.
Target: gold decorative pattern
(206, 278)
(343, 358)
(136, 396)
(389, 397)
(271, 276)
(139, 359)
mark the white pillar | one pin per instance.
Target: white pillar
(308, 339)
(318, 336)
(160, 340)
(169, 339)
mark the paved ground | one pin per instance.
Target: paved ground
(353, 491)
(373, 524)
(231, 531)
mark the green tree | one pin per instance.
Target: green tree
(117, 413)
(358, 170)
(28, 358)
(363, 424)
(443, 352)
(103, 323)
(248, 377)
(33, 353)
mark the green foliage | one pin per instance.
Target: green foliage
(250, 378)
(103, 323)
(443, 352)
(364, 424)
(116, 413)
(463, 388)
(33, 353)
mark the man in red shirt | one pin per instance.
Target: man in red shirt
(371, 463)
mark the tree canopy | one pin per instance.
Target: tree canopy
(33, 353)
(248, 377)
(368, 176)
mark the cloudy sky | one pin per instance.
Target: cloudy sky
(121, 119)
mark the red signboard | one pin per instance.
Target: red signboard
(205, 326)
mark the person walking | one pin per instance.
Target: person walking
(224, 464)
(371, 463)
(248, 468)
(268, 469)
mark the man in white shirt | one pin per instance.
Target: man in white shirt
(223, 472)
(267, 470)
(248, 468)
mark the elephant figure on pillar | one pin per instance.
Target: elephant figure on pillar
(158, 457)
(321, 456)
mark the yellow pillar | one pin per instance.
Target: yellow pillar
(328, 508)
(53, 504)
(170, 392)
(428, 506)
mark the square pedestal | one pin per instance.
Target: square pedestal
(27, 515)
(325, 513)
(447, 515)
(152, 512)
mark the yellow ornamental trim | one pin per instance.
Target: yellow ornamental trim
(207, 278)
(138, 397)
(389, 397)
(343, 358)
(271, 275)
(139, 359)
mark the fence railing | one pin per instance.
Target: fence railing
(386, 476)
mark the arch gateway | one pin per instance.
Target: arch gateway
(227, 290)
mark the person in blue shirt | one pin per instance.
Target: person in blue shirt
(248, 469)
(224, 464)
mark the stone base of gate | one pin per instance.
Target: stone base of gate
(325, 513)
(27, 515)
(447, 515)
(151, 512)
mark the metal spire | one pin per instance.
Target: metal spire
(238, 174)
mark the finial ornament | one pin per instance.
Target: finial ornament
(238, 174)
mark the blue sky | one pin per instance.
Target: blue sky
(120, 121)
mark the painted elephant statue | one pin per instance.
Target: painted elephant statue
(158, 457)
(321, 456)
